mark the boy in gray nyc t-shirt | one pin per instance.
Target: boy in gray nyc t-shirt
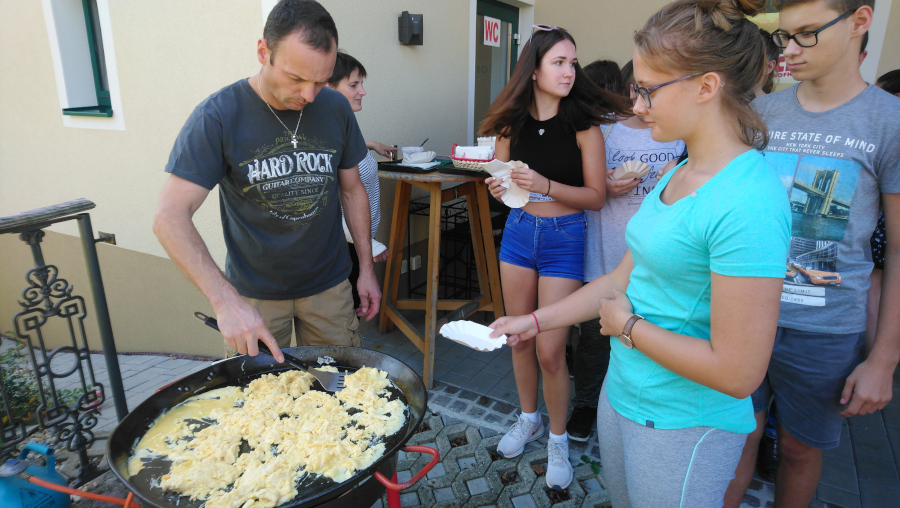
(835, 166)
(833, 141)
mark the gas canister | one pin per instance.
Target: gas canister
(19, 493)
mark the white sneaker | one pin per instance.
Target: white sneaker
(559, 469)
(521, 433)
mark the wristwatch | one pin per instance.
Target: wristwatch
(625, 336)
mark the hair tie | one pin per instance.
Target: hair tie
(536, 322)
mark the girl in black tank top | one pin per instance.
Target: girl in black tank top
(545, 145)
(547, 121)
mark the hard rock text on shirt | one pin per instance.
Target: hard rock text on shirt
(283, 165)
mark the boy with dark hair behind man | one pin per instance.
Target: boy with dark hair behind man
(833, 141)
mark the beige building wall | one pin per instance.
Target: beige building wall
(150, 302)
(603, 29)
(170, 55)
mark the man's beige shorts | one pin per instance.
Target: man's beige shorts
(327, 318)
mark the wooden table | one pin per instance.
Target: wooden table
(475, 191)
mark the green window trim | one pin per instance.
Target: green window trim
(98, 66)
(101, 111)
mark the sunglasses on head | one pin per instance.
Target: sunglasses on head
(544, 28)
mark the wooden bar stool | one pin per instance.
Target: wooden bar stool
(490, 298)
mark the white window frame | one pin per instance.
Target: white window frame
(72, 66)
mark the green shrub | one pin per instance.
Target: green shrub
(21, 386)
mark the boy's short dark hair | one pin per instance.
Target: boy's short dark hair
(841, 6)
(307, 17)
(606, 75)
(889, 82)
(344, 65)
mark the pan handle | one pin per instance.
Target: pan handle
(436, 457)
(214, 324)
(208, 321)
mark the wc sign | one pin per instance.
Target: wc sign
(491, 32)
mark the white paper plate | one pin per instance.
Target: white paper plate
(473, 335)
(515, 196)
(377, 247)
(418, 157)
(631, 169)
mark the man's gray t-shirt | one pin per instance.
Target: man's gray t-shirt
(605, 246)
(834, 165)
(280, 204)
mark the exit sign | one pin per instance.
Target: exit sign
(491, 32)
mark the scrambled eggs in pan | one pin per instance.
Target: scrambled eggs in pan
(292, 431)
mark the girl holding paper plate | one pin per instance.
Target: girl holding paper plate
(547, 122)
(347, 78)
(692, 308)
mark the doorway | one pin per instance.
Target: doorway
(494, 64)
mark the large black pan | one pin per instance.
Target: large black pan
(239, 371)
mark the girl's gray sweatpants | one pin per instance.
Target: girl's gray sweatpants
(657, 468)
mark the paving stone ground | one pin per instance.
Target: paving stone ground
(474, 397)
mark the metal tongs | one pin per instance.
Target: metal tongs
(330, 381)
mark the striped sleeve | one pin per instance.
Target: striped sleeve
(368, 172)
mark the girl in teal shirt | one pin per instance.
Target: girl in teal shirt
(693, 307)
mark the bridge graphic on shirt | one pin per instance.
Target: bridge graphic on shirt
(820, 190)
(820, 199)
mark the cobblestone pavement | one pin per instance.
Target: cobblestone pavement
(472, 474)
(473, 403)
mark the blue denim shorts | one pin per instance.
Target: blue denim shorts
(806, 376)
(552, 246)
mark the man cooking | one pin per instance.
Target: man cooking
(285, 165)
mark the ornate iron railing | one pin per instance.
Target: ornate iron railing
(49, 297)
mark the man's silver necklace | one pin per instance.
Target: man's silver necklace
(294, 135)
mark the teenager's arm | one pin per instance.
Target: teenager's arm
(869, 387)
(578, 307)
(744, 318)
(381, 148)
(355, 203)
(239, 322)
